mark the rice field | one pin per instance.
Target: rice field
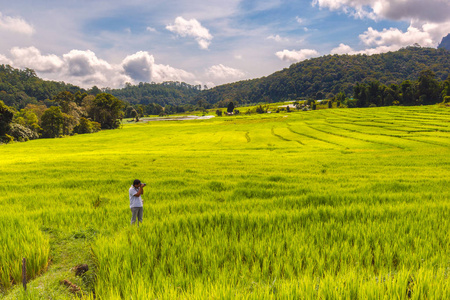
(327, 204)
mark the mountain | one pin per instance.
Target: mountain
(318, 78)
(445, 43)
(21, 87)
(328, 75)
(166, 93)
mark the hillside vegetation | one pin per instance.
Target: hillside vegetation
(21, 87)
(317, 78)
(325, 204)
(326, 76)
(18, 88)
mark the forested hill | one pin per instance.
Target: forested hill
(166, 93)
(325, 76)
(316, 78)
(21, 87)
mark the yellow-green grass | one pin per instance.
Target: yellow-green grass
(341, 203)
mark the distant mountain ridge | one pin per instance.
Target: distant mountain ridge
(328, 75)
(445, 43)
(317, 78)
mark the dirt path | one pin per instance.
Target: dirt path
(66, 251)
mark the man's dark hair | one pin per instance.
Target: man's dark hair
(136, 181)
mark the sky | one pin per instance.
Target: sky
(108, 43)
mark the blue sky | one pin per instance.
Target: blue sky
(108, 43)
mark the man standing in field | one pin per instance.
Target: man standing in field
(136, 202)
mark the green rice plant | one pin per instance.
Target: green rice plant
(336, 204)
(19, 239)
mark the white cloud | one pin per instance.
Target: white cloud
(151, 29)
(296, 56)
(77, 67)
(223, 72)
(83, 63)
(16, 25)
(299, 20)
(85, 69)
(277, 38)
(342, 49)
(436, 11)
(32, 58)
(394, 36)
(392, 39)
(191, 28)
(210, 85)
(141, 67)
(167, 73)
(4, 60)
(345, 49)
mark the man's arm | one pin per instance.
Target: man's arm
(141, 191)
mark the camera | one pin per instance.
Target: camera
(144, 184)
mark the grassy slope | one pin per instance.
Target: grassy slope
(382, 166)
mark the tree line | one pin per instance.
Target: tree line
(67, 114)
(425, 90)
(325, 77)
(318, 78)
(33, 108)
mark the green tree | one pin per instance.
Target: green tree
(37, 109)
(340, 97)
(374, 91)
(94, 91)
(446, 88)
(360, 93)
(6, 117)
(260, 110)
(64, 100)
(86, 126)
(52, 122)
(428, 88)
(78, 97)
(27, 118)
(106, 110)
(408, 92)
(230, 107)
(68, 124)
(140, 111)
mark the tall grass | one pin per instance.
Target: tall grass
(19, 239)
(324, 204)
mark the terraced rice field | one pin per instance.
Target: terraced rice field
(329, 204)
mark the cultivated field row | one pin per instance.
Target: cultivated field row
(327, 204)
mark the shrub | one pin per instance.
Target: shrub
(6, 139)
(260, 110)
(87, 126)
(22, 133)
